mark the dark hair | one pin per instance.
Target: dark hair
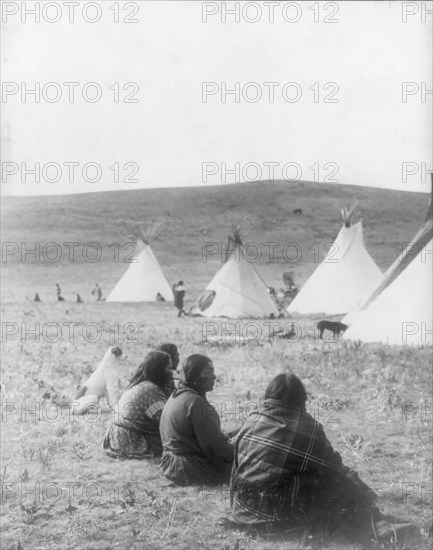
(287, 388)
(173, 352)
(180, 283)
(152, 369)
(192, 368)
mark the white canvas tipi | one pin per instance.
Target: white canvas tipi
(399, 310)
(144, 279)
(344, 279)
(236, 291)
(423, 236)
(402, 313)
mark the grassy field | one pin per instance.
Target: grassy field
(60, 490)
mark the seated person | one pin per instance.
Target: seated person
(286, 473)
(135, 433)
(173, 352)
(195, 451)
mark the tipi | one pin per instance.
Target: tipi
(399, 311)
(344, 279)
(419, 241)
(144, 279)
(237, 291)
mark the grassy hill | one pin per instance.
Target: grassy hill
(194, 216)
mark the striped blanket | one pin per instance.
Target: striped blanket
(285, 469)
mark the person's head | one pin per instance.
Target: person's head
(288, 389)
(155, 368)
(180, 283)
(173, 352)
(198, 373)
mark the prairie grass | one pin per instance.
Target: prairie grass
(60, 490)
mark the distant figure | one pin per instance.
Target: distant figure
(297, 211)
(79, 300)
(292, 293)
(97, 291)
(59, 293)
(286, 334)
(292, 332)
(36, 298)
(179, 294)
(288, 280)
(160, 297)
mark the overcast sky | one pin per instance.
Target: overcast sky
(367, 136)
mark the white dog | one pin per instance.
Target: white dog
(104, 382)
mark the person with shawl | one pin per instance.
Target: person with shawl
(135, 432)
(287, 475)
(195, 450)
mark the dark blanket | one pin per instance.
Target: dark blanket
(285, 469)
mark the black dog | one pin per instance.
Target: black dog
(297, 211)
(332, 326)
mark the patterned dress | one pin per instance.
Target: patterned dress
(135, 432)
